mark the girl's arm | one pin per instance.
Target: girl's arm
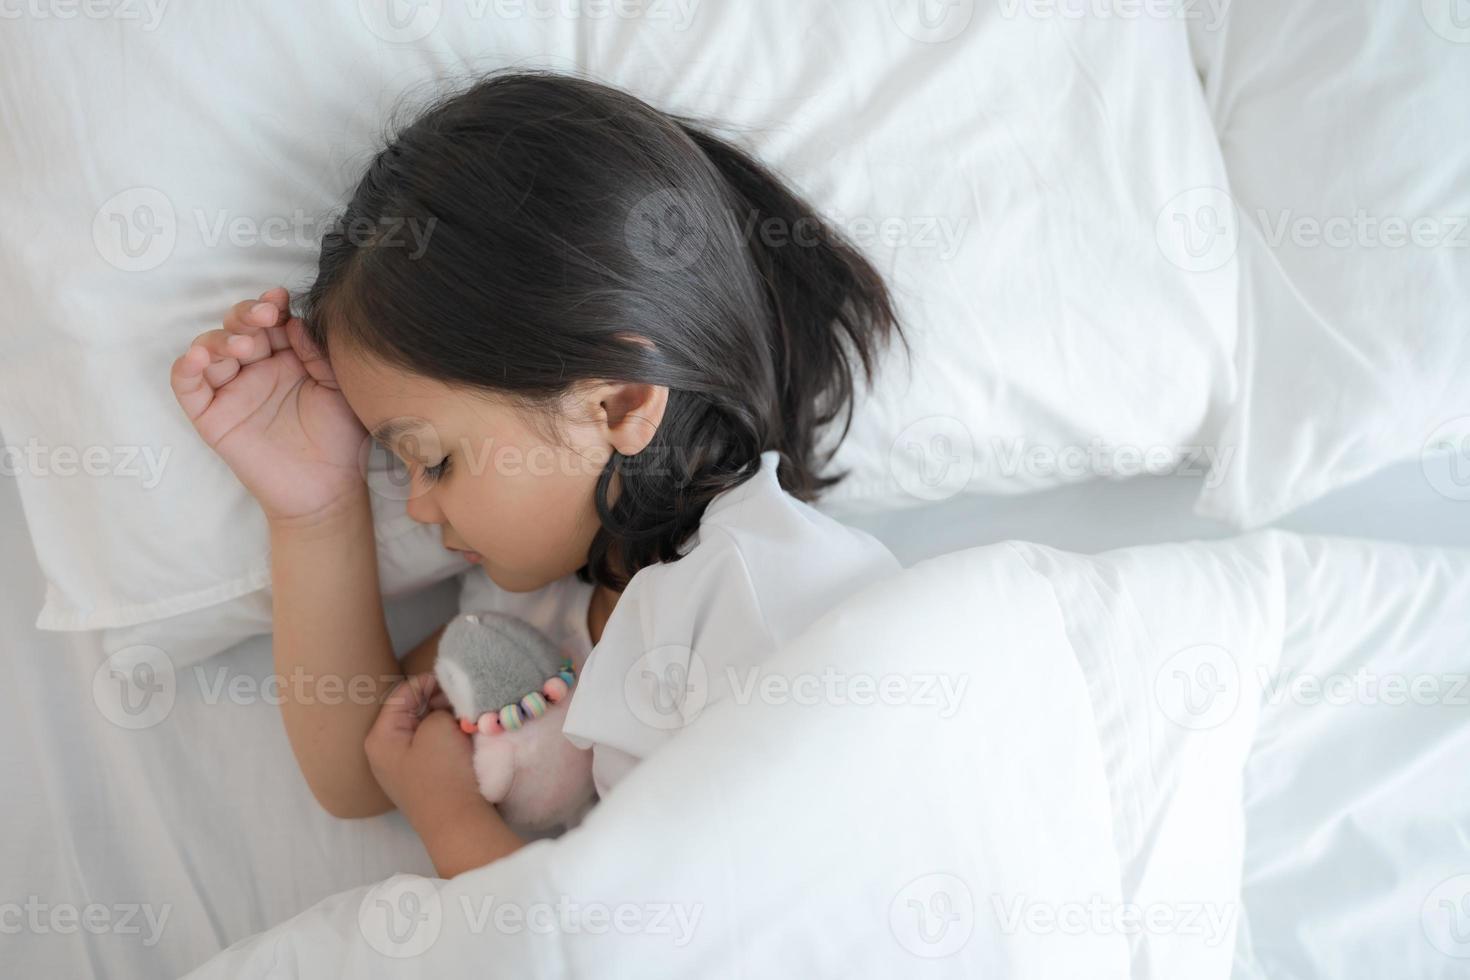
(422, 760)
(268, 403)
(332, 651)
(466, 839)
(420, 660)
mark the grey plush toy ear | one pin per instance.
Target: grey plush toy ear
(488, 660)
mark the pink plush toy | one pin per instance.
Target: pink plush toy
(510, 686)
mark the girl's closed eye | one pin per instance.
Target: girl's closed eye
(437, 472)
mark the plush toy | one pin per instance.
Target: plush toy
(510, 685)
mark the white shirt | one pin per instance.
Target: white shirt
(760, 568)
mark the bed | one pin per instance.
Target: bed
(196, 832)
(1065, 814)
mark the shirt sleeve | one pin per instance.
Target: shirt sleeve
(684, 635)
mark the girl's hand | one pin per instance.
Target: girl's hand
(266, 400)
(419, 755)
(422, 761)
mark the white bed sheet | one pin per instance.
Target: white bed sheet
(1357, 798)
(800, 883)
(204, 823)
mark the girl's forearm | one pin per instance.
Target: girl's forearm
(462, 838)
(332, 652)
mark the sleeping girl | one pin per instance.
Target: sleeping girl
(614, 368)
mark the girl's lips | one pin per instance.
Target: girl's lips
(473, 557)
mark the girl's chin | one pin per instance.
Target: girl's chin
(512, 582)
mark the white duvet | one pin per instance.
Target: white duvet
(1009, 761)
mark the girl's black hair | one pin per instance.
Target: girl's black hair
(564, 218)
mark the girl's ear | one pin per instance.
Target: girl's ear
(630, 412)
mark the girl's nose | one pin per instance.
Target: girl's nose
(422, 508)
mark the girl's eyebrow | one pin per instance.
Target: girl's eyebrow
(388, 432)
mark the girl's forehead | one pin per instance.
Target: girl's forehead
(374, 385)
(391, 400)
(372, 376)
(380, 394)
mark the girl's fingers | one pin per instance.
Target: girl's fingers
(441, 731)
(252, 330)
(188, 382)
(279, 298)
(244, 348)
(252, 315)
(223, 348)
(425, 685)
(221, 373)
(398, 716)
(311, 357)
(258, 345)
(223, 344)
(267, 315)
(411, 697)
(277, 338)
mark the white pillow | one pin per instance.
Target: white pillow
(1005, 172)
(1345, 133)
